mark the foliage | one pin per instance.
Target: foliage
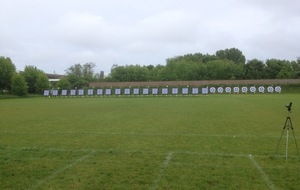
(19, 86)
(7, 70)
(223, 69)
(36, 79)
(131, 73)
(232, 54)
(296, 68)
(255, 69)
(80, 75)
(228, 64)
(64, 83)
(42, 83)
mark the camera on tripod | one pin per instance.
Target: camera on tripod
(288, 126)
(289, 107)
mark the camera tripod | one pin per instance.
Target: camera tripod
(287, 126)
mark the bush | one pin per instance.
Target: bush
(19, 86)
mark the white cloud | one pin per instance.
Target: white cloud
(173, 26)
(53, 35)
(86, 30)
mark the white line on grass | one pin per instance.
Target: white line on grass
(162, 171)
(262, 173)
(211, 154)
(60, 170)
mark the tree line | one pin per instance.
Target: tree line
(228, 64)
(30, 81)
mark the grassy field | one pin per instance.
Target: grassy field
(203, 142)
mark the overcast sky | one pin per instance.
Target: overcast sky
(55, 34)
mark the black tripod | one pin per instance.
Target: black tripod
(287, 126)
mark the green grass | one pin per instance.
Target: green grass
(201, 142)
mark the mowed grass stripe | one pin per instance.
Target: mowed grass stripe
(138, 134)
(9, 151)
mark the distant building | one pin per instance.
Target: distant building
(54, 76)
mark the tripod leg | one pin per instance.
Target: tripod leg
(284, 127)
(279, 140)
(287, 144)
(294, 136)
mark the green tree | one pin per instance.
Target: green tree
(223, 70)
(285, 71)
(200, 72)
(137, 73)
(64, 83)
(19, 86)
(88, 71)
(156, 73)
(193, 58)
(232, 54)
(42, 82)
(255, 69)
(31, 75)
(278, 69)
(7, 71)
(118, 74)
(225, 64)
(296, 68)
(168, 73)
(77, 81)
(80, 75)
(131, 73)
(75, 69)
(182, 69)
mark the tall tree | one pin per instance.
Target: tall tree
(278, 69)
(32, 75)
(182, 69)
(156, 73)
(223, 70)
(42, 83)
(286, 70)
(88, 71)
(169, 73)
(80, 75)
(255, 69)
(296, 68)
(75, 69)
(19, 86)
(232, 54)
(130, 73)
(7, 71)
